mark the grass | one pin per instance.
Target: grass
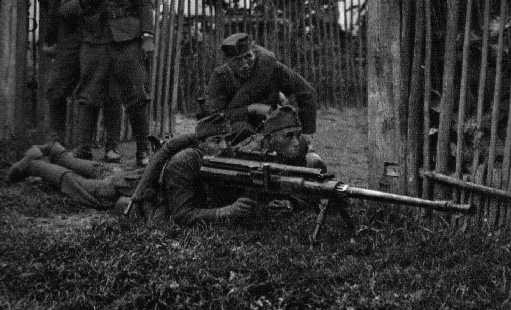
(57, 255)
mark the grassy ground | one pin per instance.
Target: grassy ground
(55, 254)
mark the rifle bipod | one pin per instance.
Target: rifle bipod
(320, 219)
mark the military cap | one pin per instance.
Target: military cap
(236, 44)
(284, 118)
(212, 125)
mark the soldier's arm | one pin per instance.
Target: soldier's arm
(292, 83)
(187, 202)
(181, 179)
(216, 94)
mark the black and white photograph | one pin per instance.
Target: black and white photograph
(255, 154)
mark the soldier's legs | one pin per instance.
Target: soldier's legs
(84, 128)
(127, 86)
(95, 64)
(60, 156)
(91, 192)
(98, 193)
(64, 74)
(138, 119)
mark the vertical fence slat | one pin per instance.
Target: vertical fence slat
(303, 58)
(165, 127)
(496, 92)
(159, 100)
(427, 101)
(316, 41)
(360, 54)
(506, 180)
(353, 71)
(446, 101)
(463, 91)
(414, 112)
(312, 65)
(177, 62)
(481, 88)
(507, 154)
(154, 66)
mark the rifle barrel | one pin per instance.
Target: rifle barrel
(369, 194)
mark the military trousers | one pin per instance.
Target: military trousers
(63, 77)
(88, 182)
(115, 71)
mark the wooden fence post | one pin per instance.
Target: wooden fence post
(463, 91)
(447, 100)
(383, 94)
(482, 86)
(496, 91)
(427, 101)
(13, 48)
(414, 108)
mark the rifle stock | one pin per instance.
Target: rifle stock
(272, 178)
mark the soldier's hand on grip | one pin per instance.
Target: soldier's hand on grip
(242, 207)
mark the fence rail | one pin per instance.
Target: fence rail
(467, 120)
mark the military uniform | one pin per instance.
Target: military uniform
(65, 68)
(112, 62)
(187, 198)
(229, 93)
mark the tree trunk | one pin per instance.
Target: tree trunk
(383, 54)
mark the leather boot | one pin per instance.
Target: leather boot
(84, 128)
(112, 120)
(140, 127)
(20, 169)
(87, 168)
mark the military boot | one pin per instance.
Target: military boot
(140, 126)
(87, 168)
(19, 170)
(112, 116)
(84, 128)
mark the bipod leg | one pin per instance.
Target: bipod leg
(319, 222)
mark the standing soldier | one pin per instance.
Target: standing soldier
(249, 84)
(116, 35)
(63, 41)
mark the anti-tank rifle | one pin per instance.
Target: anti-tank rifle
(268, 178)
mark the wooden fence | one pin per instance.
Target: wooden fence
(464, 150)
(321, 39)
(324, 40)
